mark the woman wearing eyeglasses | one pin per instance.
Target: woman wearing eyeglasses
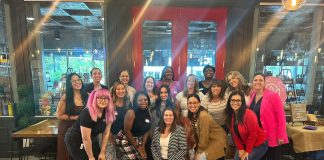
(81, 139)
(247, 134)
(211, 139)
(68, 109)
(270, 115)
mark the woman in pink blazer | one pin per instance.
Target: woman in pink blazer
(270, 112)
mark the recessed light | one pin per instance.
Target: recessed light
(30, 18)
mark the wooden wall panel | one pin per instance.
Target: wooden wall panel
(20, 43)
(118, 20)
(239, 39)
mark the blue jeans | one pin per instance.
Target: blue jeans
(256, 153)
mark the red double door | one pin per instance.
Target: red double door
(180, 19)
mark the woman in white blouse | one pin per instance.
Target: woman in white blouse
(215, 102)
(190, 87)
(169, 140)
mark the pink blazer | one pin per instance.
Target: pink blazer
(272, 117)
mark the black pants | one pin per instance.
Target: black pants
(73, 142)
(273, 153)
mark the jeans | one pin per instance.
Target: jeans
(256, 153)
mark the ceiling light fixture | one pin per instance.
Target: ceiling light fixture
(293, 5)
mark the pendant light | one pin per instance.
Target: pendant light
(293, 5)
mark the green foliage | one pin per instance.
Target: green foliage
(25, 107)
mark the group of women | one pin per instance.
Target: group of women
(163, 122)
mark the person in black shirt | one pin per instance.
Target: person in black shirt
(81, 139)
(209, 72)
(121, 104)
(96, 76)
(137, 124)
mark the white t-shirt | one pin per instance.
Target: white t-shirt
(183, 102)
(164, 143)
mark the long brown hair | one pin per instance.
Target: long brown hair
(162, 124)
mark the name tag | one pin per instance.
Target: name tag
(147, 121)
(116, 113)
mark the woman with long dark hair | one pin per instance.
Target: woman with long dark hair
(169, 140)
(247, 134)
(215, 102)
(211, 139)
(270, 115)
(163, 101)
(81, 139)
(68, 110)
(149, 86)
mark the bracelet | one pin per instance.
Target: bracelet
(68, 117)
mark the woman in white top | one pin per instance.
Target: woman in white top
(191, 86)
(215, 102)
(169, 140)
(124, 77)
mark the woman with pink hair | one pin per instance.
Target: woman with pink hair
(81, 139)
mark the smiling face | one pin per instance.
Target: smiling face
(142, 101)
(120, 91)
(164, 94)
(168, 74)
(149, 84)
(96, 75)
(191, 82)
(216, 90)
(102, 101)
(168, 117)
(209, 73)
(76, 82)
(233, 81)
(124, 77)
(193, 104)
(258, 82)
(236, 102)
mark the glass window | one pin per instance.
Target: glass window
(283, 50)
(201, 47)
(69, 40)
(156, 47)
(6, 97)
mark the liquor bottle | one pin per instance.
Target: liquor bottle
(5, 109)
(1, 109)
(10, 108)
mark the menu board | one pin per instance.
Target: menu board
(298, 112)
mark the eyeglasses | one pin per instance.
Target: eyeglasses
(236, 101)
(76, 81)
(102, 99)
(193, 103)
